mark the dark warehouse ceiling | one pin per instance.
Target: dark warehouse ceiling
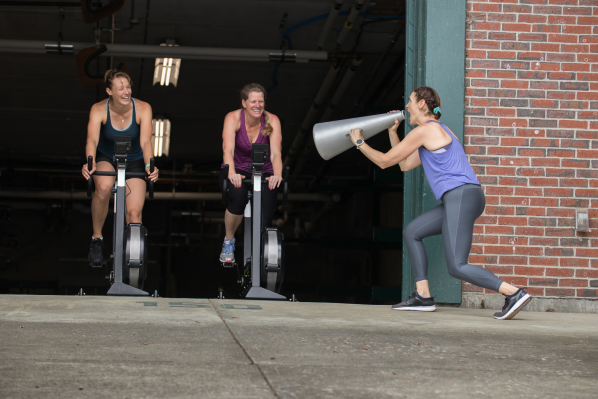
(45, 107)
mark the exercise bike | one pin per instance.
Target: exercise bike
(129, 260)
(262, 273)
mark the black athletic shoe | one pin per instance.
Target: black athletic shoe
(513, 304)
(95, 251)
(416, 302)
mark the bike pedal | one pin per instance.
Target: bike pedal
(96, 264)
(228, 265)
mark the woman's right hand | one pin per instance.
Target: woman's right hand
(393, 128)
(236, 179)
(87, 173)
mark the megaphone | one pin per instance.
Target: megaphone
(332, 138)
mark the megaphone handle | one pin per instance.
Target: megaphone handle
(348, 134)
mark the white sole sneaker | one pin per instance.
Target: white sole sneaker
(524, 300)
(418, 308)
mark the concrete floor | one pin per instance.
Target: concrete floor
(96, 347)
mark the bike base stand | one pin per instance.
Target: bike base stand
(262, 293)
(127, 290)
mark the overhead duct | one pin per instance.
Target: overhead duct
(311, 116)
(355, 10)
(338, 4)
(183, 52)
(336, 98)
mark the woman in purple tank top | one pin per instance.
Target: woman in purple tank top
(243, 127)
(453, 181)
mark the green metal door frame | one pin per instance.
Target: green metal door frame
(435, 57)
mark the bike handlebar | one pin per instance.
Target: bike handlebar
(285, 184)
(150, 184)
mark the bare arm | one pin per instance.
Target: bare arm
(144, 110)
(93, 137)
(275, 151)
(228, 148)
(398, 154)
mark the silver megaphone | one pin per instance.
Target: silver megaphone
(332, 138)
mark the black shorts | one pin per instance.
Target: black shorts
(239, 197)
(137, 166)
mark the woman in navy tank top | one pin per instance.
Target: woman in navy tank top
(120, 114)
(243, 127)
(453, 181)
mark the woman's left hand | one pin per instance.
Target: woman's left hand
(274, 181)
(153, 176)
(355, 135)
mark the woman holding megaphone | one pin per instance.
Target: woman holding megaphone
(434, 146)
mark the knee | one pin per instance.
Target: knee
(454, 269)
(409, 233)
(103, 191)
(134, 215)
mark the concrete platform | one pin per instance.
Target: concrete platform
(101, 347)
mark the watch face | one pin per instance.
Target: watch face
(359, 142)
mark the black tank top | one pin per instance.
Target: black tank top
(107, 133)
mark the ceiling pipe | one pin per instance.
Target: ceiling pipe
(160, 196)
(150, 51)
(336, 98)
(338, 4)
(355, 10)
(311, 116)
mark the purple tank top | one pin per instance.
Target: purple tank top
(242, 157)
(449, 169)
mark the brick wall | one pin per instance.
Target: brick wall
(531, 133)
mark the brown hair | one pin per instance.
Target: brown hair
(112, 74)
(432, 99)
(254, 87)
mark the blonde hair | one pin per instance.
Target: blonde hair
(112, 74)
(255, 87)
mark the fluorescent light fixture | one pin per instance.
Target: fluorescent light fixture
(160, 137)
(166, 70)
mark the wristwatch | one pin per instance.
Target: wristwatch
(358, 143)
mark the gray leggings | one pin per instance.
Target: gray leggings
(454, 219)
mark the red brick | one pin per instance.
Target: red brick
(587, 21)
(560, 57)
(588, 95)
(557, 38)
(591, 293)
(475, 54)
(531, 211)
(593, 154)
(559, 272)
(575, 48)
(501, 112)
(529, 271)
(501, 151)
(575, 67)
(498, 229)
(486, 7)
(591, 252)
(543, 261)
(561, 20)
(512, 260)
(577, 30)
(512, 122)
(573, 124)
(543, 103)
(559, 292)
(587, 273)
(568, 163)
(561, 153)
(570, 282)
(517, 281)
(540, 181)
(501, 171)
(512, 221)
(499, 269)
(551, 47)
(557, 192)
(532, 192)
(544, 161)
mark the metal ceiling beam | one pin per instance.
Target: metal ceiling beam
(182, 52)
